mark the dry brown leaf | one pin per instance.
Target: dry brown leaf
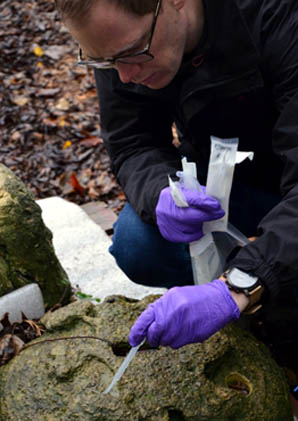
(105, 182)
(5, 320)
(10, 345)
(52, 122)
(20, 100)
(62, 104)
(77, 187)
(16, 136)
(37, 329)
(93, 193)
(92, 141)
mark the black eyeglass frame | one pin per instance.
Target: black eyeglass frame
(109, 62)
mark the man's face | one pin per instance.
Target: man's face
(110, 31)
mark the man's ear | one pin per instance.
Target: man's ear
(178, 4)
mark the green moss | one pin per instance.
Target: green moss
(26, 251)
(5, 282)
(230, 377)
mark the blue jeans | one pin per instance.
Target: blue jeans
(145, 256)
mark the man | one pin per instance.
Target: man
(226, 68)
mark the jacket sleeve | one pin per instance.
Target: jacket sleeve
(273, 256)
(136, 129)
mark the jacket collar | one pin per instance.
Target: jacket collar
(228, 53)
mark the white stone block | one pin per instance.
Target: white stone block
(27, 299)
(82, 248)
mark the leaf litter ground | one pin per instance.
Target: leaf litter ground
(49, 125)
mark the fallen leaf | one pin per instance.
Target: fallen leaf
(38, 135)
(105, 182)
(84, 155)
(10, 345)
(67, 144)
(5, 320)
(121, 196)
(51, 122)
(56, 51)
(84, 176)
(93, 193)
(34, 326)
(48, 92)
(38, 51)
(63, 183)
(62, 121)
(62, 104)
(20, 100)
(92, 141)
(16, 136)
(75, 184)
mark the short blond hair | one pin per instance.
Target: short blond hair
(79, 10)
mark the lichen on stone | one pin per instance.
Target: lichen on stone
(26, 250)
(229, 377)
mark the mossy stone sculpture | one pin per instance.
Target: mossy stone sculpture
(26, 251)
(230, 377)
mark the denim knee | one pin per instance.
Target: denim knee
(145, 256)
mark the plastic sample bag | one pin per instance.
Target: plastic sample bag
(209, 254)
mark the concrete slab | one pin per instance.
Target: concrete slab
(82, 248)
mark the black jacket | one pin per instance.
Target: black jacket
(241, 81)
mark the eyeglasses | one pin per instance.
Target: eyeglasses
(142, 56)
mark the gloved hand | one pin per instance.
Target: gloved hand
(185, 224)
(185, 315)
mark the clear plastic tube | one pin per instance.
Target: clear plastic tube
(123, 367)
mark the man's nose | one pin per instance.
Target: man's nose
(127, 71)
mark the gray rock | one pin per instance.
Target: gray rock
(229, 377)
(26, 251)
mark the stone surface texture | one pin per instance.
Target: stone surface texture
(230, 377)
(26, 251)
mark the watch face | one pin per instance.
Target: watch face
(241, 279)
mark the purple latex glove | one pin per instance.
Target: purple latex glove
(185, 315)
(185, 224)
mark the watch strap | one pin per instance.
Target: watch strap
(254, 300)
(253, 295)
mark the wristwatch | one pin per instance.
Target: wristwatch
(250, 285)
